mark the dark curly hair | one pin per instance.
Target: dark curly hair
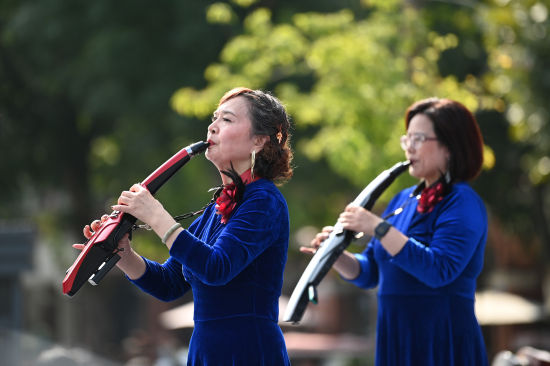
(269, 118)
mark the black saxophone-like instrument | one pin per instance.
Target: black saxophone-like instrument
(99, 254)
(338, 240)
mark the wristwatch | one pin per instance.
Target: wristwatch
(381, 229)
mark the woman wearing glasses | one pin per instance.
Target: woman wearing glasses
(427, 247)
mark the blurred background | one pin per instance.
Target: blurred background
(94, 95)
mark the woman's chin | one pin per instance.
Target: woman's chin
(211, 157)
(414, 172)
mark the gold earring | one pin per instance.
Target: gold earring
(252, 163)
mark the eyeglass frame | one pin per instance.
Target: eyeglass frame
(415, 140)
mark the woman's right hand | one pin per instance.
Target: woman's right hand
(346, 264)
(317, 241)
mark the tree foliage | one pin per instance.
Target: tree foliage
(85, 101)
(348, 76)
(346, 80)
(516, 37)
(103, 73)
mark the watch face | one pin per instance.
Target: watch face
(381, 229)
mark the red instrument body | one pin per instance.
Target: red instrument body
(99, 254)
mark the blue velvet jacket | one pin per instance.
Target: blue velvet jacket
(426, 292)
(235, 271)
(444, 252)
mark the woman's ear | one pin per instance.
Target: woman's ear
(260, 141)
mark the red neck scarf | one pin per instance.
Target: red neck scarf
(429, 197)
(230, 196)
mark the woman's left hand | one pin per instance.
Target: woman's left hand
(140, 203)
(358, 219)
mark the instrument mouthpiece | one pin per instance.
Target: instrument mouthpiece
(198, 147)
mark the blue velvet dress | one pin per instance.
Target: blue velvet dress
(235, 271)
(426, 292)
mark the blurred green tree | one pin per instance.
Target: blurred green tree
(516, 35)
(84, 101)
(347, 78)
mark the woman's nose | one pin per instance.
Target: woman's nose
(212, 127)
(410, 147)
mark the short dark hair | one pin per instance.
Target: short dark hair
(456, 128)
(269, 118)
